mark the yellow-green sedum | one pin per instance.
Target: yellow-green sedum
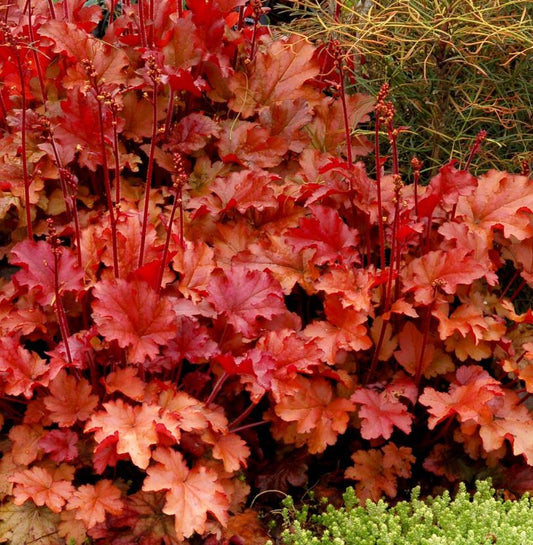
(481, 519)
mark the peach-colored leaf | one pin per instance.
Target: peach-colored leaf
(38, 484)
(232, 450)
(191, 493)
(92, 502)
(135, 427)
(70, 399)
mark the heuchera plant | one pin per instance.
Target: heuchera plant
(197, 275)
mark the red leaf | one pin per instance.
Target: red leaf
(20, 370)
(134, 315)
(194, 131)
(377, 470)
(445, 188)
(110, 63)
(61, 445)
(233, 452)
(440, 270)
(412, 349)
(327, 233)
(38, 270)
(345, 329)
(243, 296)
(380, 414)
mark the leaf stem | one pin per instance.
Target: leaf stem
(220, 382)
(243, 415)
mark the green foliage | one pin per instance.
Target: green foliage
(478, 519)
(455, 67)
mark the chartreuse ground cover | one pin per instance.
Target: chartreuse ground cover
(479, 519)
(205, 296)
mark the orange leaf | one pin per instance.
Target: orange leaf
(472, 389)
(277, 74)
(311, 406)
(410, 352)
(376, 470)
(126, 381)
(25, 447)
(501, 200)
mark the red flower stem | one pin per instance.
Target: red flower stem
(338, 6)
(240, 23)
(175, 374)
(375, 355)
(66, 11)
(254, 34)
(35, 57)
(112, 10)
(71, 185)
(61, 316)
(480, 138)
(51, 9)
(149, 173)
(220, 382)
(381, 230)
(347, 132)
(180, 9)
(77, 231)
(428, 232)
(396, 248)
(151, 16)
(141, 24)
(110, 206)
(116, 155)
(170, 112)
(62, 181)
(425, 334)
(3, 107)
(416, 164)
(25, 175)
(177, 201)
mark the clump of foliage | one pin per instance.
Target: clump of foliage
(204, 291)
(455, 68)
(481, 518)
